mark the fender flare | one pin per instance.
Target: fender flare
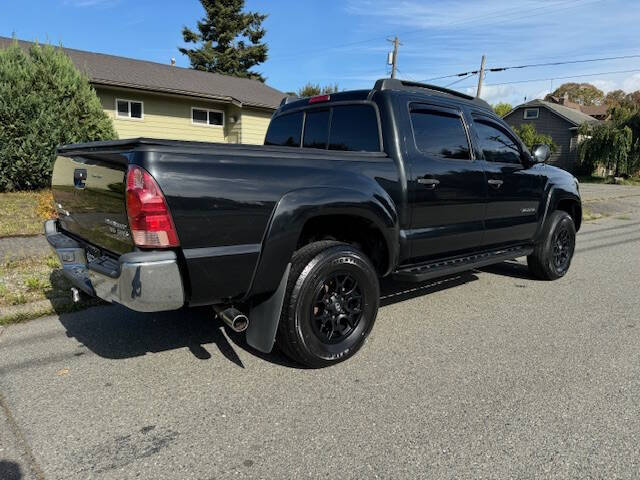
(555, 195)
(296, 207)
(281, 238)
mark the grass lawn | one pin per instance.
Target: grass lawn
(22, 213)
(35, 279)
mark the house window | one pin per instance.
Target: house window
(531, 113)
(573, 143)
(131, 109)
(207, 117)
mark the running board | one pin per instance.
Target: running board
(427, 271)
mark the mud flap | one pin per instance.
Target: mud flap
(264, 317)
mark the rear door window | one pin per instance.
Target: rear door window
(316, 129)
(440, 134)
(354, 128)
(285, 130)
(496, 145)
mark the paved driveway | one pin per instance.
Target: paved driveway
(487, 374)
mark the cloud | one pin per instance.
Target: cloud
(444, 38)
(434, 14)
(493, 93)
(632, 83)
(604, 85)
(628, 84)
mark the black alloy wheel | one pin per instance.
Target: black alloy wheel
(338, 307)
(330, 304)
(552, 255)
(562, 249)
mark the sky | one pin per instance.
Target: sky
(345, 42)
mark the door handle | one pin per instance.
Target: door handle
(429, 182)
(495, 183)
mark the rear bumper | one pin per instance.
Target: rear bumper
(141, 281)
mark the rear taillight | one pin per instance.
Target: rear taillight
(149, 218)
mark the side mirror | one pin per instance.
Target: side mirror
(541, 153)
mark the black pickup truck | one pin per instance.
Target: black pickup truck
(287, 240)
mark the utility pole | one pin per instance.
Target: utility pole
(480, 77)
(394, 56)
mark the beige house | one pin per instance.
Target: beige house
(147, 99)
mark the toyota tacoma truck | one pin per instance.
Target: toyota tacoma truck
(287, 241)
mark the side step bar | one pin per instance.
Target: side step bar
(427, 271)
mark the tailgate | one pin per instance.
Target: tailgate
(89, 193)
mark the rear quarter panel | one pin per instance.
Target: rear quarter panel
(222, 204)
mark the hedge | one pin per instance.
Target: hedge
(44, 102)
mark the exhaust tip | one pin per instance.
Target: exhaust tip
(233, 318)
(75, 294)
(240, 323)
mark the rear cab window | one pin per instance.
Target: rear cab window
(354, 128)
(285, 130)
(316, 129)
(348, 127)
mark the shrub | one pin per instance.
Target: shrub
(530, 137)
(44, 102)
(502, 108)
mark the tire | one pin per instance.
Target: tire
(552, 256)
(330, 304)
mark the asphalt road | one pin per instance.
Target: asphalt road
(488, 374)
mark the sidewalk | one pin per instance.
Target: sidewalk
(12, 248)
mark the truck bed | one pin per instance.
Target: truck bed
(221, 197)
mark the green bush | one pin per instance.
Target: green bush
(530, 137)
(44, 102)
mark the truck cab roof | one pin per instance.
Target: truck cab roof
(292, 103)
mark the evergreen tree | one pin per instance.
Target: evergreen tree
(228, 40)
(44, 102)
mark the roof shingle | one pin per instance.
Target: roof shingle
(574, 116)
(111, 70)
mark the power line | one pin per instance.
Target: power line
(532, 65)
(406, 75)
(566, 62)
(556, 78)
(459, 80)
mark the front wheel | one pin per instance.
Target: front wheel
(330, 304)
(552, 256)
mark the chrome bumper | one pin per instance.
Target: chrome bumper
(141, 281)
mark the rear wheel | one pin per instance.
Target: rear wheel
(552, 256)
(330, 304)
